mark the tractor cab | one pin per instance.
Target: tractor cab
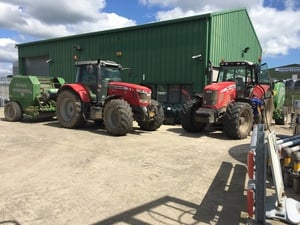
(243, 73)
(95, 76)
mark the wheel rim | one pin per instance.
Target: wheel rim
(244, 121)
(68, 109)
(113, 117)
(10, 112)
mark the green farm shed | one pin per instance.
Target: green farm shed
(175, 58)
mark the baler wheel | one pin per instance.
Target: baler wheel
(13, 112)
(238, 120)
(117, 117)
(68, 110)
(157, 120)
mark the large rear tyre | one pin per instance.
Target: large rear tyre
(13, 112)
(69, 110)
(188, 122)
(158, 119)
(238, 120)
(117, 117)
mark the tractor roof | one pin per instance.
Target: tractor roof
(237, 63)
(101, 62)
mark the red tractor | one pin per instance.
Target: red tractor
(100, 96)
(241, 97)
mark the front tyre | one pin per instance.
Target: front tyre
(68, 110)
(13, 112)
(117, 117)
(238, 120)
(188, 122)
(157, 120)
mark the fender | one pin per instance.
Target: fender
(79, 89)
(261, 91)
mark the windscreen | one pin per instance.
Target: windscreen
(87, 74)
(110, 73)
(232, 74)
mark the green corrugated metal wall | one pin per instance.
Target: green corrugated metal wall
(231, 32)
(164, 54)
(157, 53)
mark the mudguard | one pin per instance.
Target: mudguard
(261, 91)
(79, 89)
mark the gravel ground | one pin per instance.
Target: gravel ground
(51, 175)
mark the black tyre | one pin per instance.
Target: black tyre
(99, 123)
(68, 110)
(13, 112)
(238, 120)
(188, 122)
(158, 118)
(117, 117)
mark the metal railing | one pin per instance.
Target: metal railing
(4, 91)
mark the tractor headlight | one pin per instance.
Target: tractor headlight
(144, 97)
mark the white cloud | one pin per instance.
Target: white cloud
(200, 5)
(58, 11)
(49, 19)
(278, 31)
(8, 54)
(56, 18)
(5, 69)
(174, 13)
(105, 21)
(8, 51)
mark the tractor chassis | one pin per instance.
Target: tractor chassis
(209, 116)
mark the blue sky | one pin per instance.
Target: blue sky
(276, 22)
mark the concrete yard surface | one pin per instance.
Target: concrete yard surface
(56, 176)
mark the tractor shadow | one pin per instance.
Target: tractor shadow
(31, 120)
(213, 132)
(95, 128)
(224, 203)
(10, 222)
(239, 152)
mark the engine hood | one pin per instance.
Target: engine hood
(221, 86)
(218, 95)
(124, 85)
